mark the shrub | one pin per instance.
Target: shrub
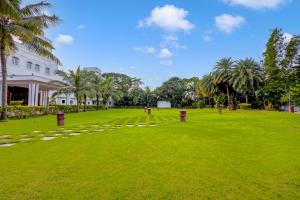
(21, 112)
(219, 99)
(245, 106)
(16, 103)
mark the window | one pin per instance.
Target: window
(15, 60)
(71, 102)
(29, 65)
(47, 70)
(37, 67)
(63, 101)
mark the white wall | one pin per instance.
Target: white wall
(163, 104)
(25, 55)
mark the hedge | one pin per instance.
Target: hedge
(21, 112)
(245, 106)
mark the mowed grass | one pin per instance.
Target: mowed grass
(236, 155)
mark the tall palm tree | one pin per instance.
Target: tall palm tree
(87, 87)
(96, 86)
(27, 24)
(107, 90)
(76, 83)
(222, 74)
(207, 86)
(246, 77)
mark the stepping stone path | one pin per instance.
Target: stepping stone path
(48, 138)
(75, 134)
(25, 139)
(7, 145)
(62, 132)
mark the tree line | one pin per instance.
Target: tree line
(267, 84)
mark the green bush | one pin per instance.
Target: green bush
(245, 106)
(16, 103)
(21, 112)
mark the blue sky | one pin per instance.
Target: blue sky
(157, 39)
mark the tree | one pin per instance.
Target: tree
(27, 24)
(172, 90)
(207, 87)
(222, 74)
(280, 58)
(246, 77)
(96, 86)
(107, 90)
(219, 99)
(124, 85)
(76, 83)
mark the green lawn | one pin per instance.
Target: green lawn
(236, 155)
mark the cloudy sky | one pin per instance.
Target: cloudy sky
(157, 39)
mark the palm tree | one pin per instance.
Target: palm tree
(107, 90)
(96, 86)
(222, 74)
(27, 24)
(246, 77)
(87, 89)
(207, 87)
(76, 83)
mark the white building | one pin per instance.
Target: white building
(69, 99)
(28, 77)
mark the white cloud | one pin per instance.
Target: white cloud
(207, 38)
(64, 39)
(228, 23)
(287, 37)
(147, 49)
(257, 4)
(172, 42)
(166, 62)
(165, 53)
(81, 26)
(169, 18)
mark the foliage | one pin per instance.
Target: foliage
(280, 62)
(246, 77)
(20, 112)
(222, 74)
(27, 24)
(219, 99)
(245, 106)
(16, 103)
(75, 82)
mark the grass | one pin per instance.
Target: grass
(236, 155)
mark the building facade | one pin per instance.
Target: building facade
(29, 77)
(69, 99)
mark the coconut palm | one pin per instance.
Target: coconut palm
(222, 74)
(96, 87)
(246, 77)
(107, 90)
(27, 25)
(76, 83)
(207, 86)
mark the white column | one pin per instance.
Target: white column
(32, 94)
(41, 98)
(29, 94)
(45, 98)
(36, 100)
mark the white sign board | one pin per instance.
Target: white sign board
(163, 104)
